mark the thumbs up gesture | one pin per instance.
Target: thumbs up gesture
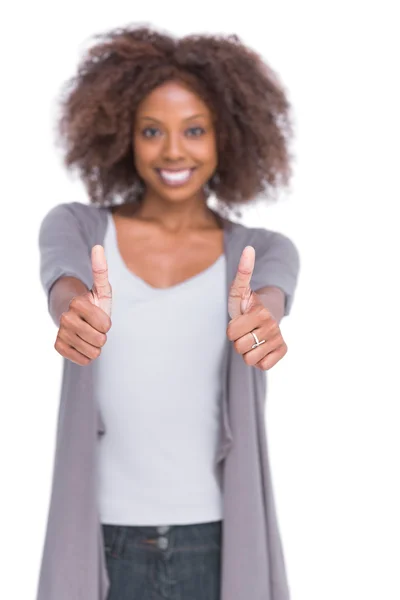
(101, 290)
(253, 330)
(83, 327)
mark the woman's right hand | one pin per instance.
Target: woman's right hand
(83, 327)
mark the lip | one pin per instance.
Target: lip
(175, 170)
(175, 183)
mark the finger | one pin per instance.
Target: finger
(100, 270)
(100, 278)
(272, 358)
(240, 326)
(92, 314)
(246, 342)
(78, 344)
(243, 324)
(240, 289)
(268, 342)
(71, 326)
(70, 353)
(245, 269)
(254, 356)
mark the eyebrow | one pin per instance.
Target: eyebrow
(187, 119)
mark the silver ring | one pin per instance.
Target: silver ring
(257, 343)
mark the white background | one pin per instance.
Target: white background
(333, 415)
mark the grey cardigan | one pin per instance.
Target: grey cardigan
(73, 562)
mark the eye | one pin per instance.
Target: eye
(149, 132)
(196, 131)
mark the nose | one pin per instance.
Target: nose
(173, 149)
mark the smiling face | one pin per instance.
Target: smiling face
(174, 143)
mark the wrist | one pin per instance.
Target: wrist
(61, 294)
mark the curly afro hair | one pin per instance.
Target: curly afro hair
(248, 103)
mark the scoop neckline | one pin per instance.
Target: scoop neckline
(184, 283)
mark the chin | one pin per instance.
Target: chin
(176, 194)
(183, 197)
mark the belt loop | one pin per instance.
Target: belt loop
(120, 538)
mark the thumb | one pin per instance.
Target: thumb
(101, 290)
(240, 290)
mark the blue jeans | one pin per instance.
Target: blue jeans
(177, 562)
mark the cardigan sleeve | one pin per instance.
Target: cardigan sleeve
(277, 264)
(63, 248)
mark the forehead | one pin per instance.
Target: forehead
(172, 99)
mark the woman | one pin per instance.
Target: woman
(161, 436)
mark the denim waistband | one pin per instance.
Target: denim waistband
(122, 539)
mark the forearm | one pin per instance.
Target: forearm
(61, 295)
(273, 299)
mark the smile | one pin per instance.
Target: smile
(175, 178)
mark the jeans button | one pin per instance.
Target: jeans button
(162, 543)
(163, 529)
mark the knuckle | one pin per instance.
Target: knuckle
(60, 346)
(237, 346)
(275, 329)
(101, 340)
(229, 333)
(78, 301)
(72, 303)
(263, 313)
(105, 324)
(96, 352)
(75, 303)
(247, 359)
(64, 319)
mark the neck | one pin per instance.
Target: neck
(177, 217)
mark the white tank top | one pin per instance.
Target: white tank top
(158, 386)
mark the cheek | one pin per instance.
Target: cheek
(145, 154)
(206, 152)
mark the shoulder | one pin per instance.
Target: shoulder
(77, 210)
(67, 217)
(266, 242)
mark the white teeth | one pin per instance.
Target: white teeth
(176, 176)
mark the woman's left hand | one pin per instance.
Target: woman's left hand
(248, 315)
